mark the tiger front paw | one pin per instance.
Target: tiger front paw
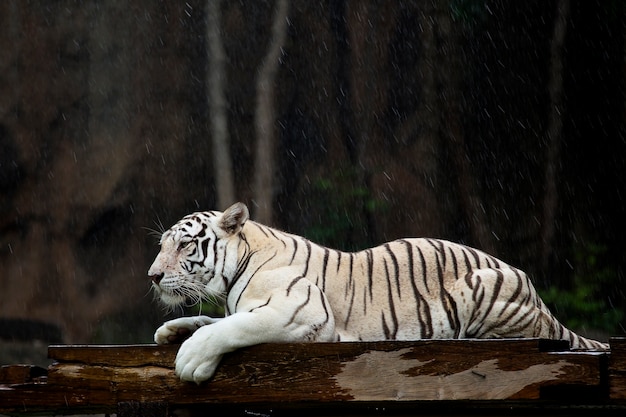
(196, 361)
(180, 329)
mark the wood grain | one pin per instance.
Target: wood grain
(338, 374)
(617, 368)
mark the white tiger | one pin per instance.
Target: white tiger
(280, 287)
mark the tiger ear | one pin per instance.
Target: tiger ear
(234, 218)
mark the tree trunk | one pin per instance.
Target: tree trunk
(448, 76)
(264, 118)
(222, 163)
(554, 133)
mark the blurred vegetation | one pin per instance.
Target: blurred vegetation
(344, 205)
(469, 11)
(207, 308)
(582, 306)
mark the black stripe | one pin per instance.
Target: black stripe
(349, 314)
(339, 255)
(295, 249)
(524, 321)
(204, 249)
(426, 319)
(325, 264)
(521, 322)
(424, 272)
(475, 255)
(242, 265)
(271, 232)
(452, 313)
(350, 283)
(250, 279)
(292, 283)
(495, 261)
(494, 297)
(436, 244)
(202, 233)
(476, 296)
(308, 257)
(215, 254)
(392, 308)
(513, 298)
(421, 305)
(468, 263)
(447, 301)
(395, 269)
(455, 266)
(439, 270)
(323, 300)
(572, 337)
(261, 228)
(478, 293)
(496, 291)
(370, 272)
(262, 305)
(385, 328)
(468, 282)
(300, 307)
(441, 250)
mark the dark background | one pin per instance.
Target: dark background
(499, 124)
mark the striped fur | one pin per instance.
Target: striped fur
(280, 287)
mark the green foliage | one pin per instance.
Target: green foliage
(344, 205)
(469, 11)
(207, 308)
(582, 306)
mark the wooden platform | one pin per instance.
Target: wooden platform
(443, 377)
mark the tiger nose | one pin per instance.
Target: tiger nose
(156, 278)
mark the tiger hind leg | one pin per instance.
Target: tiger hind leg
(503, 303)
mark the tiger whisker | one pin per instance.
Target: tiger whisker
(158, 232)
(159, 224)
(195, 292)
(154, 233)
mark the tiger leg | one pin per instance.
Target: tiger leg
(500, 303)
(503, 303)
(298, 312)
(177, 330)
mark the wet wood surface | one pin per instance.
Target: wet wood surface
(617, 369)
(338, 375)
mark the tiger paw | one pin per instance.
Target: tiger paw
(195, 361)
(180, 329)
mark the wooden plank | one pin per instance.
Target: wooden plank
(618, 353)
(20, 374)
(115, 355)
(146, 354)
(98, 378)
(379, 371)
(617, 368)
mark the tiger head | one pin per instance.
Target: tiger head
(194, 261)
